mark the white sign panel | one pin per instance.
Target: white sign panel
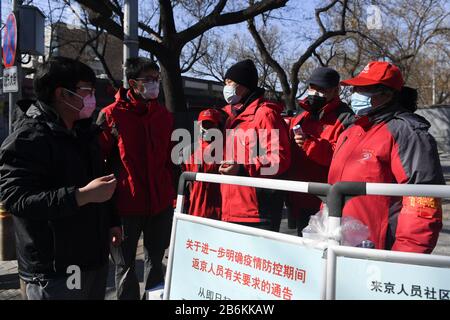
(379, 280)
(10, 80)
(213, 263)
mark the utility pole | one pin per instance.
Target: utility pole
(130, 34)
(13, 97)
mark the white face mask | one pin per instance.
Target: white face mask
(229, 93)
(89, 104)
(151, 90)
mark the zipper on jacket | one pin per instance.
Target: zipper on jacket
(345, 161)
(336, 151)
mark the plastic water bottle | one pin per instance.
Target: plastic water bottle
(297, 130)
(367, 244)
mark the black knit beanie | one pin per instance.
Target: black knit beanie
(244, 73)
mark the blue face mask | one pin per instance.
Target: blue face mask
(361, 104)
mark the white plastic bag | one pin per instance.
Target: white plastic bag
(351, 232)
(317, 228)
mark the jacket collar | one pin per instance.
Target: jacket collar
(384, 114)
(45, 114)
(244, 107)
(247, 113)
(127, 99)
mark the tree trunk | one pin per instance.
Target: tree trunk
(173, 83)
(290, 101)
(287, 92)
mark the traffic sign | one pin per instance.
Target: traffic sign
(10, 80)
(10, 41)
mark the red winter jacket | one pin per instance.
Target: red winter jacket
(392, 147)
(242, 204)
(205, 199)
(312, 162)
(136, 141)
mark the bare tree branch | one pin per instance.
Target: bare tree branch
(312, 48)
(217, 19)
(99, 15)
(167, 20)
(195, 56)
(319, 58)
(168, 45)
(318, 11)
(267, 56)
(156, 35)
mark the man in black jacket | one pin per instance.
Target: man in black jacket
(53, 182)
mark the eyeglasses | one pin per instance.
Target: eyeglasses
(90, 89)
(150, 79)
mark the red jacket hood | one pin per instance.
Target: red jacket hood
(252, 106)
(277, 106)
(122, 95)
(261, 102)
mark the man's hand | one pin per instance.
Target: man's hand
(97, 191)
(299, 140)
(229, 168)
(116, 236)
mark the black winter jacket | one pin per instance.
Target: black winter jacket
(41, 165)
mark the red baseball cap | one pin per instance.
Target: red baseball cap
(377, 72)
(210, 115)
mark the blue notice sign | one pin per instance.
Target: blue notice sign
(380, 280)
(211, 263)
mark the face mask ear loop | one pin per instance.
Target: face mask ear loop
(74, 93)
(70, 105)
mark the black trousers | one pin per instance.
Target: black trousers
(92, 287)
(156, 230)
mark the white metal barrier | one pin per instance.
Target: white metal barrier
(187, 229)
(369, 266)
(349, 272)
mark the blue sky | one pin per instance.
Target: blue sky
(298, 20)
(299, 15)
